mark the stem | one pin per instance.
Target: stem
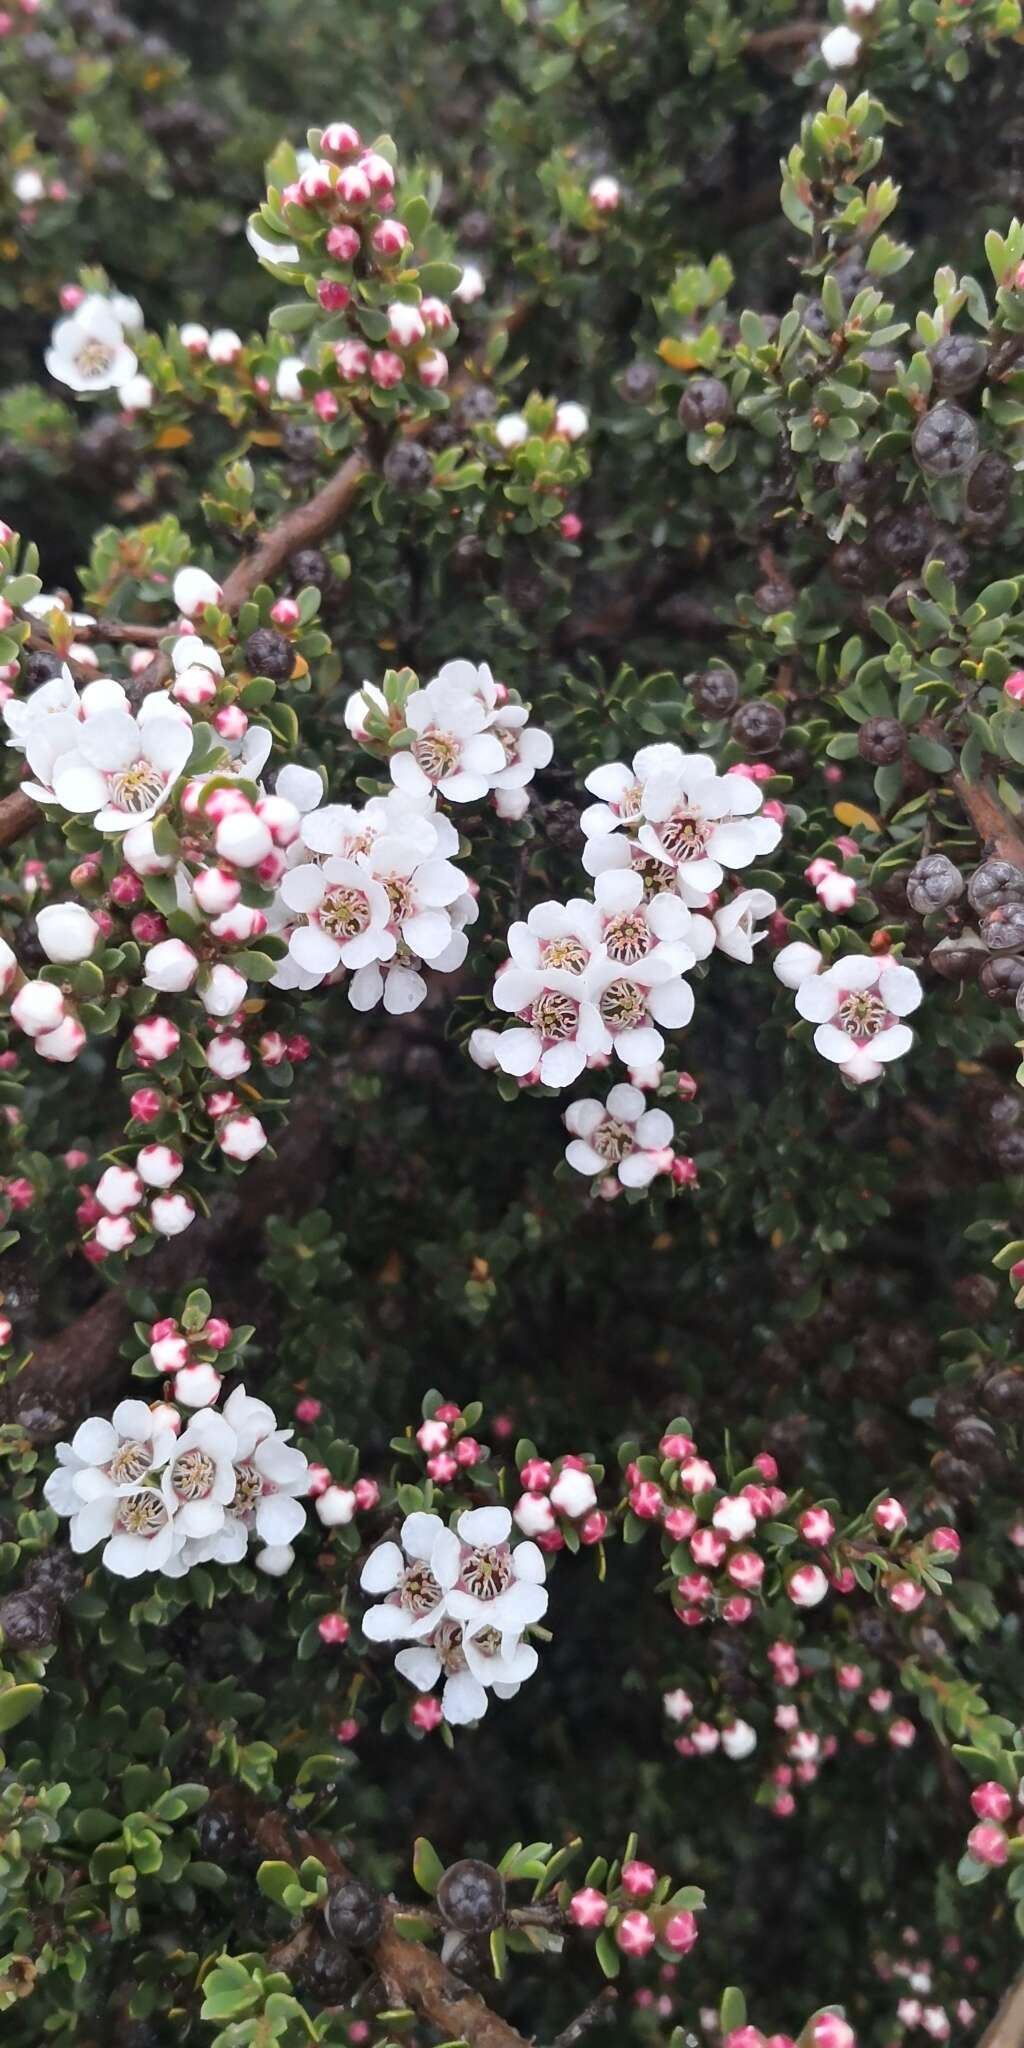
(995, 826)
(1007, 2029)
(592, 2015)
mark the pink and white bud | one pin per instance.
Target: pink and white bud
(572, 420)
(380, 173)
(118, 1189)
(353, 360)
(241, 1137)
(390, 237)
(37, 1007)
(739, 1740)
(243, 839)
(635, 1934)
(336, 1506)
(432, 367)
(225, 346)
(735, 1518)
(646, 1500)
(195, 337)
(902, 1733)
(340, 139)
(573, 1494)
(197, 1386)
(511, 431)
(170, 967)
(63, 1044)
(987, 1843)
(228, 1057)
(223, 991)
(194, 686)
(436, 314)
(807, 1586)
(849, 1677)
(156, 1038)
(169, 1353)
(991, 1801)
(890, 1516)
(697, 1476)
(138, 850)
(796, 963)
(216, 890)
(534, 1514)
(680, 1933)
(605, 193)
(171, 1214)
(406, 325)
(353, 187)
(535, 1475)
(67, 933)
(708, 1548)
(905, 1596)
(281, 818)
(194, 589)
(115, 1233)
(159, 1165)
(638, 1879)
(680, 1523)
(816, 1526)
(830, 2031)
(746, 1569)
(945, 1542)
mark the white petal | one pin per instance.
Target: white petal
(485, 1526)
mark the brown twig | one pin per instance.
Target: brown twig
(300, 528)
(411, 1974)
(1007, 2029)
(995, 826)
(18, 814)
(788, 35)
(593, 2015)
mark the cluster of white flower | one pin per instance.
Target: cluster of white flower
(589, 978)
(89, 753)
(858, 1005)
(162, 1497)
(841, 45)
(461, 1599)
(571, 421)
(468, 740)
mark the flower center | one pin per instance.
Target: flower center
(486, 1573)
(142, 1514)
(399, 895)
(137, 787)
(437, 754)
(656, 875)
(623, 1006)
(862, 1014)
(570, 955)
(130, 1463)
(418, 1590)
(509, 738)
(683, 835)
(447, 1642)
(94, 358)
(627, 937)
(630, 802)
(613, 1140)
(343, 913)
(488, 1642)
(192, 1475)
(248, 1490)
(555, 1015)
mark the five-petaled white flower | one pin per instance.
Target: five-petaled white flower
(452, 751)
(858, 1005)
(88, 351)
(115, 767)
(735, 923)
(689, 822)
(620, 1135)
(107, 1482)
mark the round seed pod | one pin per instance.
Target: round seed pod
(758, 726)
(638, 383)
(269, 654)
(706, 402)
(945, 440)
(407, 466)
(958, 363)
(471, 1897)
(881, 741)
(714, 691)
(1003, 929)
(993, 884)
(1002, 976)
(933, 884)
(354, 1913)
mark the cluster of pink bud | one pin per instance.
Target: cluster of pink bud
(351, 193)
(637, 1907)
(447, 1444)
(191, 1358)
(558, 1495)
(990, 1840)
(336, 1505)
(836, 891)
(129, 1199)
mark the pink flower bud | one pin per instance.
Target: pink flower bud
(849, 1677)
(638, 1879)
(217, 1333)
(945, 1541)
(216, 890)
(159, 1166)
(535, 1475)
(426, 1714)
(325, 406)
(708, 1548)
(332, 295)
(890, 1516)
(442, 1468)
(353, 187)
(377, 169)
(241, 1137)
(367, 1493)
(353, 360)
(436, 314)
(570, 526)
(38, 1007)
(125, 889)
(588, 1908)
(334, 1628)
(118, 1189)
(905, 1596)
(987, 1843)
(467, 1451)
(807, 1585)
(746, 1569)
(390, 237)
(432, 367)
(340, 139)
(902, 1733)
(816, 1526)
(281, 818)
(197, 1386)
(991, 1801)
(680, 1523)
(829, 2031)
(594, 1527)
(115, 1233)
(343, 243)
(680, 1933)
(318, 1480)
(433, 1436)
(635, 1934)
(231, 722)
(227, 1056)
(315, 185)
(605, 193)
(1014, 684)
(646, 1501)
(677, 1446)
(171, 1214)
(697, 1476)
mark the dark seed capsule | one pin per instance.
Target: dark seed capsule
(758, 726)
(354, 1913)
(707, 402)
(881, 741)
(714, 691)
(407, 466)
(1002, 977)
(958, 363)
(945, 440)
(269, 654)
(993, 884)
(1003, 929)
(933, 884)
(471, 1897)
(638, 383)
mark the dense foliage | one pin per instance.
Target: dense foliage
(511, 980)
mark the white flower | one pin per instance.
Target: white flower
(420, 893)
(275, 1559)
(678, 1705)
(858, 1004)
(88, 351)
(415, 1595)
(840, 47)
(345, 916)
(451, 751)
(511, 431)
(28, 186)
(106, 1481)
(170, 966)
(67, 933)
(286, 383)
(198, 1480)
(119, 768)
(630, 927)
(560, 1027)
(269, 1472)
(735, 1518)
(8, 966)
(572, 420)
(573, 1493)
(269, 251)
(197, 1386)
(225, 345)
(406, 324)
(474, 1660)
(734, 923)
(336, 1506)
(621, 1133)
(496, 1584)
(795, 962)
(194, 589)
(223, 991)
(128, 311)
(526, 748)
(690, 824)
(631, 1002)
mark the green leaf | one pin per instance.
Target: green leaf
(427, 1867)
(18, 1701)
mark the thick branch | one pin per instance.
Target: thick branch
(301, 528)
(788, 35)
(18, 814)
(594, 2015)
(1007, 2029)
(411, 1973)
(998, 831)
